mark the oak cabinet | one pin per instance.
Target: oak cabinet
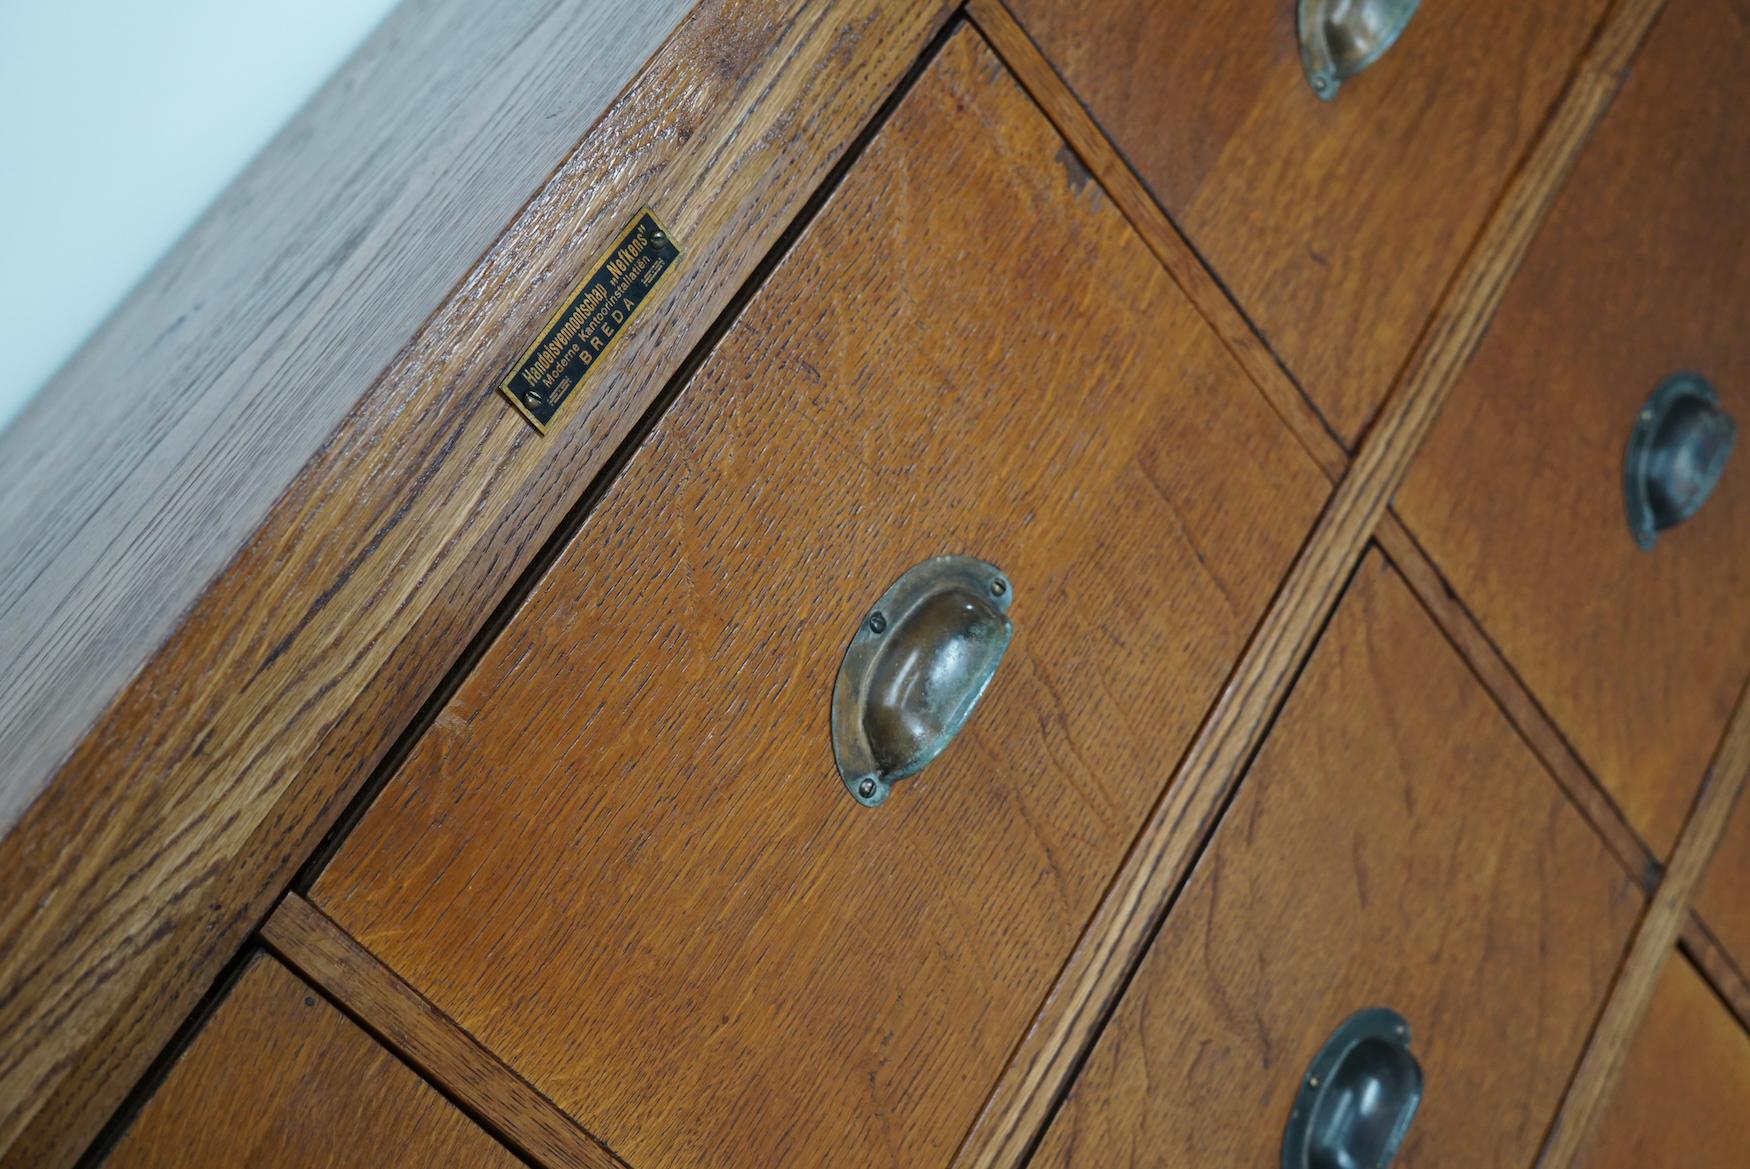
(1642, 271)
(1095, 608)
(1395, 845)
(622, 857)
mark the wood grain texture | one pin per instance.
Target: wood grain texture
(145, 463)
(1723, 901)
(175, 825)
(1682, 1099)
(1718, 967)
(1655, 939)
(1395, 843)
(1642, 270)
(1042, 1065)
(278, 1078)
(622, 857)
(1336, 225)
(1128, 191)
(1519, 704)
(420, 1033)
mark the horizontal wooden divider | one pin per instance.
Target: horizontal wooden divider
(312, 944)
(1040, 1070)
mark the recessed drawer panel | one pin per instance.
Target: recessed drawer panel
(1682, 1097)
(1336, 224)
(1521, 494)
(278, 1077)
(623, 856)
(1395, 845)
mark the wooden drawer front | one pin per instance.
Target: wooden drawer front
(1335, 224)
(1724, 898)
(1682, 1098)
(1642, 269)
(622, 856)
(1394, 844)
(278, 1077)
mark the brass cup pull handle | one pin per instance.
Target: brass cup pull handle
(1340, 38)
(1358, 1097)
(918, 664)
(1676, 454)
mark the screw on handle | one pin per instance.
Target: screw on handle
(1340, 38)
(1357, 1098)
(1677, 451)
(917, 665)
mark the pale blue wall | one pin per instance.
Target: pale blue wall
(119, 123)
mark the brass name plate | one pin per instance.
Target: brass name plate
(591, 320)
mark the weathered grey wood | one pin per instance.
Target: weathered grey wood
(140, 469)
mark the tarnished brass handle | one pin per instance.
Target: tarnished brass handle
(1357, 1099)
(1676, 454)
(1340, 38)
(917, 666)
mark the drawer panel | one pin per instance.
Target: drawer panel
(1682, 1097)
(1642, 270)
(622, 856)
(1724, 897)
(278, 1077)
(1336, 224)
(1394, 844)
